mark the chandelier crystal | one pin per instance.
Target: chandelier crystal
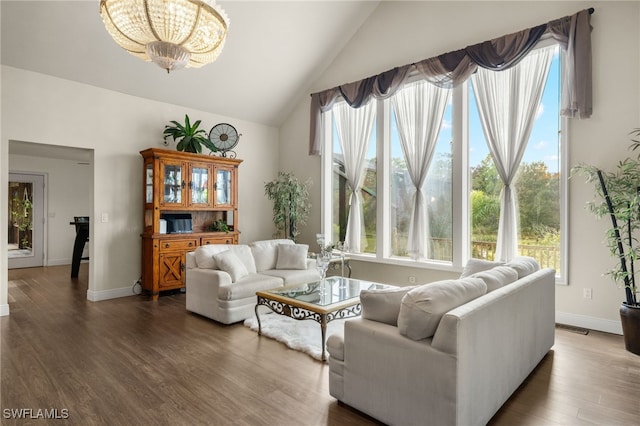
(171, 33)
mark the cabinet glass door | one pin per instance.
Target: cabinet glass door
(223, 186)
(199, 185)
(148, 183)
(173, 184)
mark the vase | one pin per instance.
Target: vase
(630, 318)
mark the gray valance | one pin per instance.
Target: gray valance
(572, 33)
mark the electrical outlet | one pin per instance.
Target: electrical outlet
(586, 293)
(412, 279)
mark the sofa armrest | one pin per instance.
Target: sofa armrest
(213, 277)
(387, 375)
(204, 285)
(335, 347)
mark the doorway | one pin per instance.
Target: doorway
(26, 220)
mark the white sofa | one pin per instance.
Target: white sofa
(478, 355)
(222, 279)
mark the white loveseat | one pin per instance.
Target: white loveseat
(476, 356)
(222, 279)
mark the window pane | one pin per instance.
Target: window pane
(538, 180)
(438, 192)
(341, 193)
(537, 183)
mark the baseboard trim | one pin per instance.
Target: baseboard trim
(60, 262)
(592, 323)
(4, 310)
(97, 296)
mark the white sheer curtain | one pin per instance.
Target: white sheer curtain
(508, 102)
(419, 109)
(354, 127)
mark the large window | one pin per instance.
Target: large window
(461, 189)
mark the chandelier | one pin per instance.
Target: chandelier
(171, 33)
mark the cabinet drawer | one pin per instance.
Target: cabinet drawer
(168, 245)
(219, 240)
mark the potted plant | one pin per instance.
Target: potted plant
(190, 138)
(618, 196)
(290, 203)
(219, 225)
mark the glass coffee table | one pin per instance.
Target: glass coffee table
(323, 302)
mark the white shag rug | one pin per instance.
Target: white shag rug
(300, 335)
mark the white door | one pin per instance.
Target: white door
(26, 220)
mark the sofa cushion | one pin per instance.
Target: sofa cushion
(265, 253)
(294, 276)
(244, 254)
(292, 256)
(204, 255)
(247, 287)
(230, 263)
(497, 277)
(524, 265)
(383, 305)
(423, 307)
(478, 265)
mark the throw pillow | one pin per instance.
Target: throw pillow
(204, 255)
(497, 277)
(228, 262)
(383, 305)
(423, 307)
(244, 254)
(478, 265)
(292, 256)
(524, 265)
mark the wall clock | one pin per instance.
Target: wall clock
(224, 137)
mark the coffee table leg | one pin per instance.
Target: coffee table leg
(323, 327)
(258, 318)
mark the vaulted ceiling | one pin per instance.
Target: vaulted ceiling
(274, 52)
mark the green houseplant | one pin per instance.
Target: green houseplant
(219, 225)
(618, 196)
(189, 137)
(290, 203)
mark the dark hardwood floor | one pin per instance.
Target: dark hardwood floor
(133, 361)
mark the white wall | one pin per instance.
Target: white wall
(399, 33)
(69, 193)
(48, 110)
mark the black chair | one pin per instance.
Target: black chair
(82, 236)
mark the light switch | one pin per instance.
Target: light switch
(105, 217)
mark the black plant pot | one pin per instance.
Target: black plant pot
(630, 318)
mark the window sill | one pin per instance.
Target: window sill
(398, 261)
(422, 264)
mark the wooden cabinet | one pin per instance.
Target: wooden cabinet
(199, 189)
